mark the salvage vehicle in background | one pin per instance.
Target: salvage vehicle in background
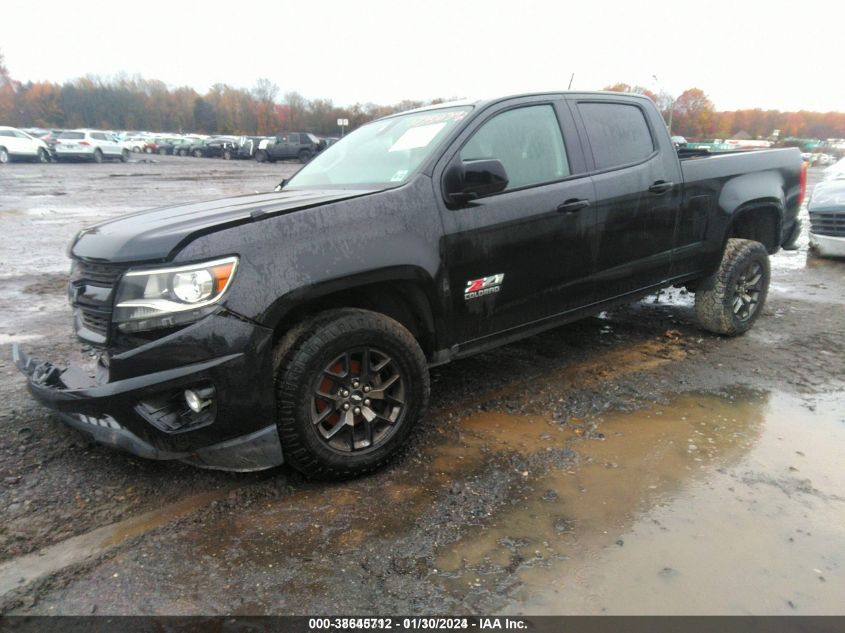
(826, 208)
(18, 145)
(302, 146)
(90, 145)
(214, 147)
(299, 326)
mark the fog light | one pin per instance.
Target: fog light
(198, 399)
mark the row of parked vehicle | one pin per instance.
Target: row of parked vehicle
(98, 145)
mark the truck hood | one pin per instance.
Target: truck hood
(157, 233)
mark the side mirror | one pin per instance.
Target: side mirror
(465, 181)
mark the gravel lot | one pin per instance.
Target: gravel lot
(628, 463)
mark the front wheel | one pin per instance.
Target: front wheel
(124, 156)
(43, 156)
(4, 156)
(350, 385)
(162, 151)
(261, 156)
(730, 301)
(197, 153)
(227, 155)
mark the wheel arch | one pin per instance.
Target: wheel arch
(403, 293)
(759, 220)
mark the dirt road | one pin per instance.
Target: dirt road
(628, 463)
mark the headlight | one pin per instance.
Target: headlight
(165, 297)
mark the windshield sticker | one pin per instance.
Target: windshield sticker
(399, 176)
(417, 137)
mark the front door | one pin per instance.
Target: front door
(524, 254)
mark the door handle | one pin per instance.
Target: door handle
(661, 186)
(573, 205)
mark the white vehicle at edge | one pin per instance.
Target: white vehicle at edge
(826, 209)
(15, 143)
(837, 170)
(89, 144)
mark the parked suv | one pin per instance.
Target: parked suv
(298, 145)
(15, 143)
(89, 145)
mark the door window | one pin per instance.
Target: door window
(293, 139)
(618, 133)
(527, 141)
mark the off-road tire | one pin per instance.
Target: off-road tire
(300, 359)
(715, 295)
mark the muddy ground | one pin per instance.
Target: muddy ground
(628, 463)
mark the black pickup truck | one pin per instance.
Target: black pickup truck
(299, 326)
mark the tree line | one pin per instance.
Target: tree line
(694, 116)
(135, 103)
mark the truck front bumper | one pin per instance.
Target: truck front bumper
(827, 245)
(146, 414)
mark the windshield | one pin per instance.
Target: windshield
(384, 152)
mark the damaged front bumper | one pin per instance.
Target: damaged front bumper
(127, 413)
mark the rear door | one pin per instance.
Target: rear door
(524, 254)
(638, 192)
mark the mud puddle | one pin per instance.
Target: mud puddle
(711, 503)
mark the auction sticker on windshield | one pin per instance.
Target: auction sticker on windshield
(416, 137)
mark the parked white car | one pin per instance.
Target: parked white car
(826, 209)
(835, 171)
(15, 143)
(136, 143)
(90, 145)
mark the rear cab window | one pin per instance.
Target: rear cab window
(618, 133)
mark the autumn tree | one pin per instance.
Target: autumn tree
(692, 114)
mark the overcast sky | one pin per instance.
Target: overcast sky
(743, 54)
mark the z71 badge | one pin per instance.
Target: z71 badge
(484, 286)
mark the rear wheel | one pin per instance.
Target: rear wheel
(350, 385)
(43, 156)
(124, 156)
(730, 301)
(4, 156)
(162, 151)
(98, 156)
(227, 155)
(304, 156)
(197, 153)
(261, 156)
(148, 150)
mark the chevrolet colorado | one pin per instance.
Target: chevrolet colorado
(299, 325)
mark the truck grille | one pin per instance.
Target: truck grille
(831, 223)
(91, 291)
